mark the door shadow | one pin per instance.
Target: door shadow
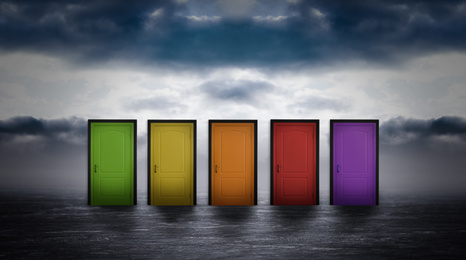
(355, 211)
(173, 213)
(232, 213)
(294, 213)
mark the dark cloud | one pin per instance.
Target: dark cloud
(43, 153)
(381, 30)
(89, 30)
(401, 130)
(164, 31)
(242, 91)
(70, 130)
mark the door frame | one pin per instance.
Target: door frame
(91, 121)
(376, 121)
(254, 122)
(317, 136)
(149, 179)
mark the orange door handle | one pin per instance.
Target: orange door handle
(216, 168)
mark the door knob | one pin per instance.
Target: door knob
(278, 168)
(338, 168)
(155, 168)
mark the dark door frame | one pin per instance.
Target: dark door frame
(91, 121)
(376, 121)
(149, 179)
(272, 123)
(254, 122)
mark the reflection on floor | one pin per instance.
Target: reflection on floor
(52, 225)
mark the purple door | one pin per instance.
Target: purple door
(354, 162)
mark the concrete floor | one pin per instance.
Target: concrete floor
(52, 226)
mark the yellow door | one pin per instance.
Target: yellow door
(172, 163)
(233, 163)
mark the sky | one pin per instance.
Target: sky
(402, 62)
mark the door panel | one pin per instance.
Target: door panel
(233, 158)
(111, 164)
(171, 166)
(232, 153)
(354, 163)
(294, 166)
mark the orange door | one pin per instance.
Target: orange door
(233, 162)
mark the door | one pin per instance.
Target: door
(294, 162)
(354, 166)
(171, 163)
(112, 157)
(233, 160)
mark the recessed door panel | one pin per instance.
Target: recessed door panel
(294, 162)
(171, 162)
(233, 151)
(354, 162)
(232, 163)
(111, 162)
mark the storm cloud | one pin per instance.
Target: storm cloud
(402, 130)
(256, 33)
(241, 91)
(71, 130)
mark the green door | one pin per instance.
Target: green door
(112, 157)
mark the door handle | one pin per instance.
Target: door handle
(155, 168)
(216, 168)
(95, 168)
(338, 168)
(278, 168)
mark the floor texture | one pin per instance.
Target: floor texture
(50, 226)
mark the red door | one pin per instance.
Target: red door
(294, 168)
